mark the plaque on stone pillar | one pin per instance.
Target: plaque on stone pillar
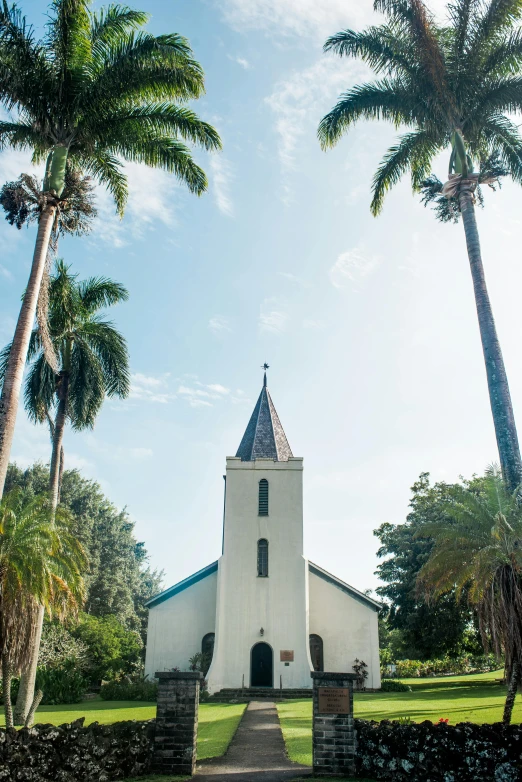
(333, 700)
(333, 732)
(175, 741)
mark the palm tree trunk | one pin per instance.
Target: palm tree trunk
(7, 677)
(59, 426)
(28, 677)
(25, 695)
(499, 396)
(18, 355)
(514, 682)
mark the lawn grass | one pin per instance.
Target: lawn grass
(217, 721)
(458, 698)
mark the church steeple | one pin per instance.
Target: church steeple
(264, 436)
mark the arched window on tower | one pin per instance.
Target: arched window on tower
(262, 558)
(207, 651)
(316, 652)
(263, 497)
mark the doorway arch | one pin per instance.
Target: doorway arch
(316, 652)
(261, 665)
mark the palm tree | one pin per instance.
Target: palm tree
(451, 86)
(478, 551)
(41, 563)
(92, 355)
(20, 201)
(93, 363)
(96, 91)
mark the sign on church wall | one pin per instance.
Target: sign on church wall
(286, 655)
(333, 700)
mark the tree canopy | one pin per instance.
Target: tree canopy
(118, 581)
(429, 628)
(453, 86)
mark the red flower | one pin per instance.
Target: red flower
(443, 721)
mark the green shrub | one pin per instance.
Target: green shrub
(59, 646)
(112, 648)
(394, 685)
(411, 669)
(128, 690)
(62, 684)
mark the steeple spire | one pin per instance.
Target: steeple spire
(264, 436)
(265, 367)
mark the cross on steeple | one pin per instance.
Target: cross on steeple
(265, 367)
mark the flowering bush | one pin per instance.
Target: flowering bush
(411, 669)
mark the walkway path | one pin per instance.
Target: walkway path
(256, 753)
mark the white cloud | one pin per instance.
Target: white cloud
(221, 179)
(312, 18)
(151, 388)
(301, 100)
(240, 61)
(14, 162)
(219, 324)
(153, 197)
(272, 319)
(218, 388)
(351, 267)
(202, 396)
(316, 18)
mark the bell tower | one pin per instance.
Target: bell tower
(262, 590)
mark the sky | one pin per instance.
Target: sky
(369, 325)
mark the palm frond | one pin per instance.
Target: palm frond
(107, 170)
(390, 100)
(167, 153)
(382, 48)
(415, 152)
(141, 122)
(110, 24)
(98, 292)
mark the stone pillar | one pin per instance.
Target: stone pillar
(175, 742)
(333, 729)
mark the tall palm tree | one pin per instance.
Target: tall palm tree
(93, 360)
(20, 201)
(41, 563)
(478, 550)
(452, 87)
(93, 363)
(96, 91)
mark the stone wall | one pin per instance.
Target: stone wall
(438, 753)
(73, 753)
(385, 751)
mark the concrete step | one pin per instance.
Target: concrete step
(260, 693)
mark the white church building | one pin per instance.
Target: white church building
(267, 615)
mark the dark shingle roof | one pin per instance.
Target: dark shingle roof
(264, 437)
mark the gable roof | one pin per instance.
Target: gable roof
(181, 585)
(264, 436)
(359, 596)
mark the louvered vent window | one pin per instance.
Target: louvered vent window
(262, 558)
(263, 497)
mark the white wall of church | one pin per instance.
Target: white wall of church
(349, 629)
(178, 624)
(246, 602)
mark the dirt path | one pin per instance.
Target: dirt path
(256, 753)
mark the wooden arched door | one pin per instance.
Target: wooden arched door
(262, 666)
